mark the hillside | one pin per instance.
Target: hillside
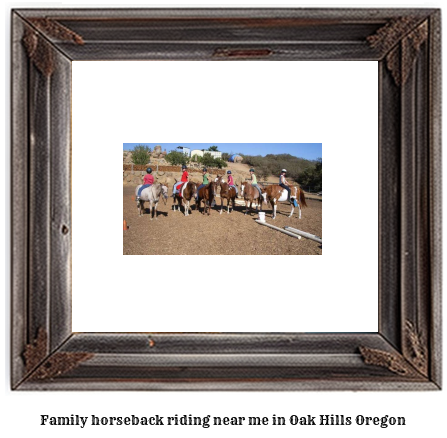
(305, 172)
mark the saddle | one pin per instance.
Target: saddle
(179, 189)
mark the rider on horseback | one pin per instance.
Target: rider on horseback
(284, 184)
(254, 182)
(185, 179)
(231, 180)
(205, 182)
(148, 180)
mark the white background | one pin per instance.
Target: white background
(231, 102)
(425, 412)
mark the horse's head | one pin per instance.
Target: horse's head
(164, 191)
(193, 190)
(214, 188)
(243, 188)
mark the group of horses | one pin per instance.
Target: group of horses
(189, 191)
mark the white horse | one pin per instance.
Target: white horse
(152, 195)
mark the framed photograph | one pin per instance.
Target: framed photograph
(188, 179)
(50, 352)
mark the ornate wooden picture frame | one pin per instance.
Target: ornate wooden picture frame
(405, 353)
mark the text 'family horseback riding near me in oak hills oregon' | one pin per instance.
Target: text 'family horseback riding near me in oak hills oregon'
(222, 198)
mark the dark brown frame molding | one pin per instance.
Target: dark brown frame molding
(405, 354)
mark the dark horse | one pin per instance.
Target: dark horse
(227, 192)
(187, 192)
(207, 193)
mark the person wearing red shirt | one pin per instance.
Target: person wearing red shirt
(231, 180)
(185, 178)
(148, 180)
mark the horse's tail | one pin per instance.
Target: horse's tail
(302, 197)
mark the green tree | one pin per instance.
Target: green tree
(213, 148)
(312, 176)
(208, 160)
(176, 158)
(219, 163)
(141, 154)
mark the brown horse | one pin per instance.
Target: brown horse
(187, 192)
(227, 192)
(275, 193)
(250, 194)
(207, 193)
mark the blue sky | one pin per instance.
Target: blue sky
(309, 151)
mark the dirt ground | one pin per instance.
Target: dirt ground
(234, 233)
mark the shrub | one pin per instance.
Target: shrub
(272, 164)
(141, 154)
(209, 161)
(312, 176)
(177, 158)
(219, 163)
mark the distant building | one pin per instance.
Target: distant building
(186, 151)
(197, 152)
(214, 154)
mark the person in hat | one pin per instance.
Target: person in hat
(184, 179)
(231, 180)
(148, 180)
(205, 181)
(284, 184)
